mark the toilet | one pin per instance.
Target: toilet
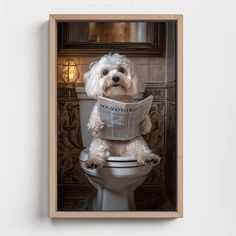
(116, 181)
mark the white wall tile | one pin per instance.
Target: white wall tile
(157, 73)
(157, 60)
(140, 60)
(143, 72)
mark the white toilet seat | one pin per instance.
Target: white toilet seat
(114, 161)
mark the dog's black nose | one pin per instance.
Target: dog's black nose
(115, 78)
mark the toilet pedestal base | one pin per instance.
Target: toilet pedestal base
(115, 199)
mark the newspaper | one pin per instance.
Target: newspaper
(122, 119)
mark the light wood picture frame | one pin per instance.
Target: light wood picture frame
(54, 212)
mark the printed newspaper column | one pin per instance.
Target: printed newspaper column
(122, 119)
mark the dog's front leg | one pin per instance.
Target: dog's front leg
(139, 148)
(145, 125)
(98, 153)
(95, 125)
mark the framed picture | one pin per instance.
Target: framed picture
(91, 181)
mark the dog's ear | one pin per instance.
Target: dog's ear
(91, 79)
(92, 64)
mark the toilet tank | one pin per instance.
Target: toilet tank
(86, 105)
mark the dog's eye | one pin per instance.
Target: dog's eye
(121, 70)
(105, 72)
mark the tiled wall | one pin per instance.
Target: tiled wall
(149, 69)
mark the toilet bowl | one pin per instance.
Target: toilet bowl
(118, 178)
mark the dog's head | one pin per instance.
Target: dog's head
(113, 75)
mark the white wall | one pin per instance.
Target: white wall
(209, 118)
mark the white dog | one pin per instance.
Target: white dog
(113, 76)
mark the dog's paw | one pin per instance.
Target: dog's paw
(97, 128)
(94, 163)
(145, 125)
(152, 159)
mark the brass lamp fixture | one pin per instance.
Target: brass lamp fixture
(69, 73)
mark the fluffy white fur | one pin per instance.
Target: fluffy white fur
(113, 76)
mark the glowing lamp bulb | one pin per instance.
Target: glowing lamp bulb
(69, 73)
